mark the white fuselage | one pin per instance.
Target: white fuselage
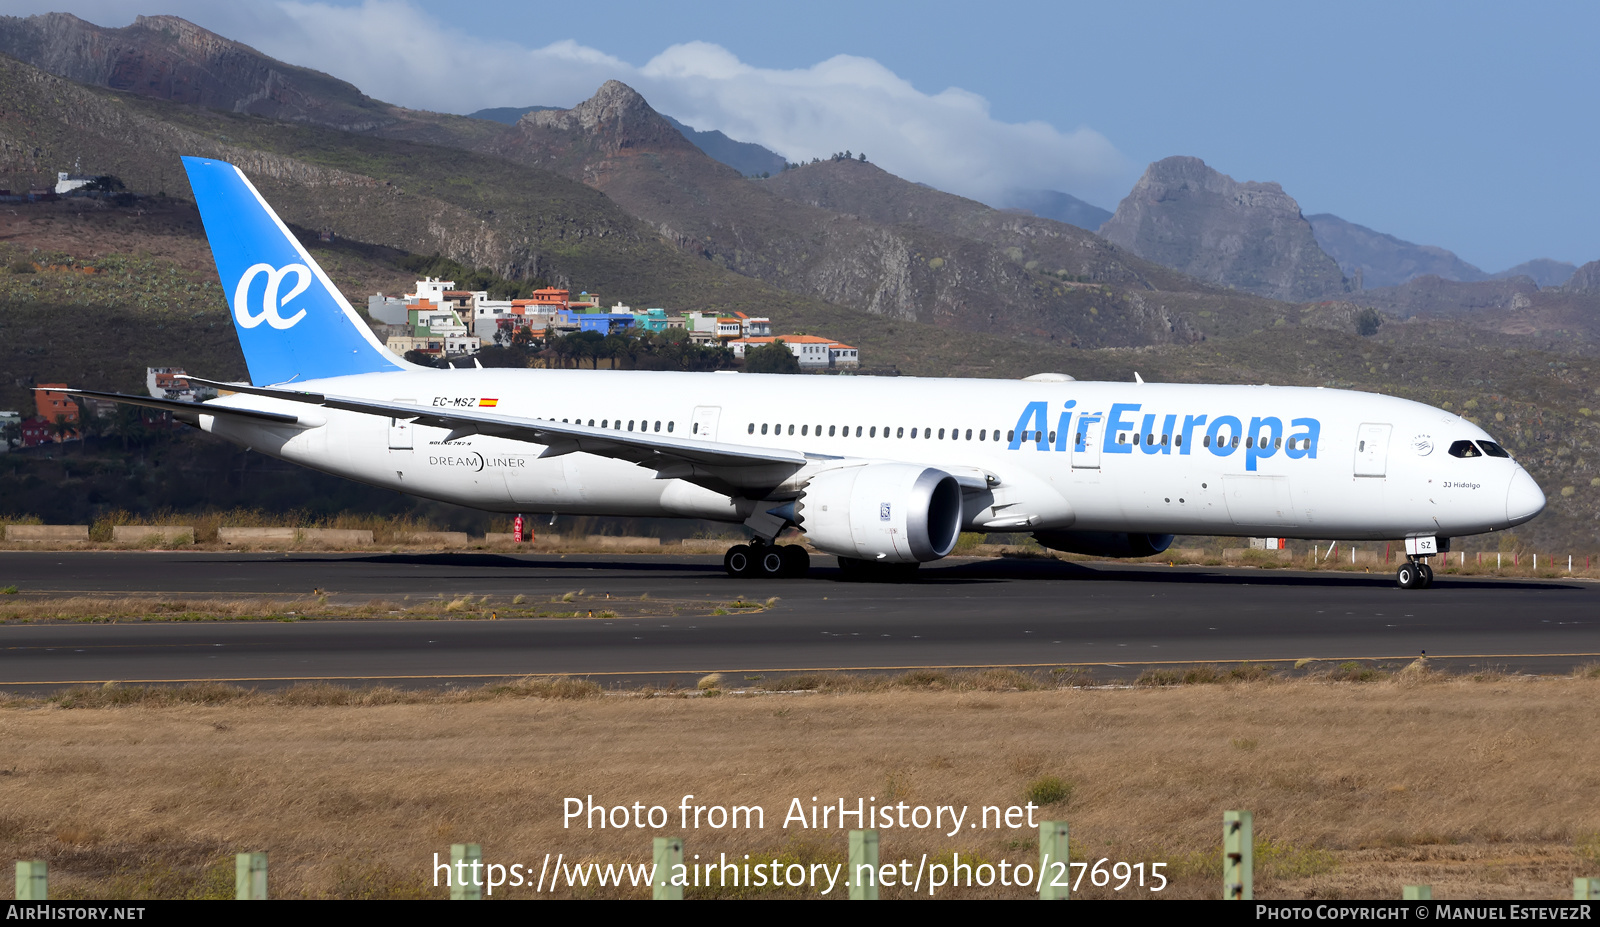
(1308, 462)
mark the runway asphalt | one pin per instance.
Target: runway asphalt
(960, 613)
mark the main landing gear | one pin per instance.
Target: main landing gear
(1414, 574)
(766, 561)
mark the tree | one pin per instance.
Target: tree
(581, 346)
(525, 339)
(128, 424)
(105, 183)
(622, 343)
(424, 359)
(1368, 321)
(63, 429)
(771, 358)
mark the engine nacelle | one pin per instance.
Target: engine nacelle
(885, 513)
(1104, 543)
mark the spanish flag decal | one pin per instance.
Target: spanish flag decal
(488, 403)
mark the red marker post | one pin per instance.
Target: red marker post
(516, 530)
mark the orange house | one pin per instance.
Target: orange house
(56, 407)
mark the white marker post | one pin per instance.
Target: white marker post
(1053, 860)
(1238, 856)
(863, 854)
(32, 880)
(250, 877)
(669, 857)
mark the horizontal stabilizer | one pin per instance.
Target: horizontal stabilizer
(184, 411)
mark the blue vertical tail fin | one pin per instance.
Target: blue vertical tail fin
(293, 323)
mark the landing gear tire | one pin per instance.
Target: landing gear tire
(796, 562)
(740, 561)
(770, 562)
(1427, 574)
(1409, 576)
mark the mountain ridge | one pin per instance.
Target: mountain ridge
(1185, 215)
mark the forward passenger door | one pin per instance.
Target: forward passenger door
(1086, 452)
(1372, 449)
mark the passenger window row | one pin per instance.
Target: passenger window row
(871, 431)
(1458, 449)
(617, 424)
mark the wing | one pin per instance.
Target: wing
(727, 468)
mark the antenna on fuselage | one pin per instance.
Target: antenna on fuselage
(1137, 378)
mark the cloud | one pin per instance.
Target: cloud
(396, 52)
(948, 140)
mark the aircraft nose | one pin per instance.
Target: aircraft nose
(1524, 499)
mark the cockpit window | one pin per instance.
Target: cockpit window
(1493, 449)
(1465, 449)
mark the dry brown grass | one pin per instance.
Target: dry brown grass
(1480, 788)
(19, 607)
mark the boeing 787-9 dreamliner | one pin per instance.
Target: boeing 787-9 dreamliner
(883, 473)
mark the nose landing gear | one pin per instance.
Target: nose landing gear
(1414, 574)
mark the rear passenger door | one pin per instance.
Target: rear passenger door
(705, 422)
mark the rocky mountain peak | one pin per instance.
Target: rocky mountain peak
(181, 29)
(1190, 217)
(173, 59)
(618, 118)
(1586, 279)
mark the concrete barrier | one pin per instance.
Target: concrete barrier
(436, 538)
(601, 540)
(1185, 553)
(47, 532)
(502, 538)
(337, 537)
(256, 535)
(333, 537)
(161, 534)
(708, 545)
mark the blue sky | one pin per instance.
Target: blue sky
(1452, 124)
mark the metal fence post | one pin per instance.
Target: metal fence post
(669, 857)
(863, 853)
(1054, 863)
(1238, 856)
(466, 868)
(32, 882)
(250, 877)
(1416, 893)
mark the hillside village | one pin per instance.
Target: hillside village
(440, 322)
